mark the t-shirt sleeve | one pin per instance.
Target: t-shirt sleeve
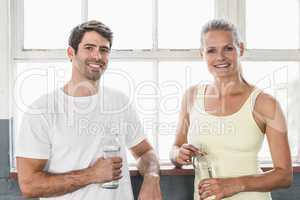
(135, 131)
(33, 139)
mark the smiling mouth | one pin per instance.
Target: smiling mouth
(95, 67)
(222, 66)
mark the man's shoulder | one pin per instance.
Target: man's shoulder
(45, 101)
(113, 93)
(115, 101)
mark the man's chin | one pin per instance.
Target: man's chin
(94, 78)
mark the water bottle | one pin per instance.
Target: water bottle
(203, 169)
(111, 148)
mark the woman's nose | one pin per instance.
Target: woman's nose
(220, 55)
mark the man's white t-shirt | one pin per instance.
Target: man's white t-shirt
(68, 131)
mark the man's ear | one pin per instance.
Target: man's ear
(242, 48)
(70, 53)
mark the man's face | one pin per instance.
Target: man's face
(92, 56)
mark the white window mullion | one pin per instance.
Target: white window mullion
(241, 19)
(297, 159)
(156, 117)
(155, 25)
(84, 10)
(234, 11)
(298, 140)
(18, 27)
(14, 43)
(221, 9)
(271, 55)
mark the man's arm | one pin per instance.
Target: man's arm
(34, 182)
(148, 166)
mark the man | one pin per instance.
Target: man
(59, 148)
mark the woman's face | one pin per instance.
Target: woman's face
(221, 53)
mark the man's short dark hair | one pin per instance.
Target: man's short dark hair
(78, 32)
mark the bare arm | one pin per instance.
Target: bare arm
(268, 109)
(181, 152)
(270, 118)
(34, 182)
(148, 166)
(147, 160)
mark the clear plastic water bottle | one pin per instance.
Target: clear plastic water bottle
(203, 169)
(202, 166)
(111, 148)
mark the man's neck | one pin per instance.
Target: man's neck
(82, 88)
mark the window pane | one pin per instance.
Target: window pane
(272, 24)
(130, 21)
(180, 22)
(47, 23)
(174, 79)
(281, 80)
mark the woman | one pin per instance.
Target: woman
(230, 118)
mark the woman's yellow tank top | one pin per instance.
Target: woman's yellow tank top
(231, 142)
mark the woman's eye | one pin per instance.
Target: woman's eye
(210, 51)
(229, 48)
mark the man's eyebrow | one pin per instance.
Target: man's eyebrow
(93, 45)
(89, 44)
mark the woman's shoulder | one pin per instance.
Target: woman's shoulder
(190, 96)
(266, 105)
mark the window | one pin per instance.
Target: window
(129, 33)
(42, 19)
(155, 55)
(183, 22)
(273, 30)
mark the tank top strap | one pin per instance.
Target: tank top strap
(200, 91)
(253, 97)
(199, 100)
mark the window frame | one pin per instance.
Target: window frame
(233, 10)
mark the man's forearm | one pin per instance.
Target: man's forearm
(148, 164)
(43, 184)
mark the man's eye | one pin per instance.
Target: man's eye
(89, 48)
(104, 50)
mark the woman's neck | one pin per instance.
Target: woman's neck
(225, 86)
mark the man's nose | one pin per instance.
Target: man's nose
(96, 55)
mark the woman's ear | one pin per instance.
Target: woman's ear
(201, 53)
(242, 48)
